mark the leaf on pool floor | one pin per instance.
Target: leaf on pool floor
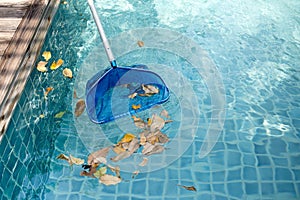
(140, 43)
(108, 179)
(60, 114)
(154, 149)
(144, 162)
(157, 123)
(138, 122)
(133, 95)
(121, 156)
(128, 137)
(100, 172)
(46, 55)
(76, 161)
(135, 107)
(80, 107)
(56, 64)
(41, 66)
(191, 188)
(67, 73)
(47, 90)
(98, 156)
(63, 157)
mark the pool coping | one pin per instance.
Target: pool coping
(20, 55)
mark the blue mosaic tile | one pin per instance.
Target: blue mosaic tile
(267, 188)
(249, 159)
(251, 188)
(234, 159)
(235, 189)
(285, 187)
(266, 174)
(283, 174)
(233, 175)
(156, 187)
(263, 161)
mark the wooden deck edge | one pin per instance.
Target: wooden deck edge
(19, 57)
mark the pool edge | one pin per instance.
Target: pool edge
(19, 57)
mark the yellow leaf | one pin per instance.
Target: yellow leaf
(46, 55)
(135, 107)
(67, 73)
(118, 149)
(76, 161)
(107, 179)
(63, 157)
(127, 138)
(140, 43)
(48, 89)
(133, 95)
(60, 114)
(138, 122)
(41, 66)
(56, 64)
(100, 172)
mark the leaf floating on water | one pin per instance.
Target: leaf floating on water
(80, 107)
(48, 89)
(92, 169)
(46, 55)
(135, 173)
(190, 188)
(144, 162)
(154, 150)
(133, 145)
(165, 114)
(157, 123)
(135, 107)
(60, 114)
(75, 95)
(118, 149)
(67, 73)
(143, 139)
(98, 156)
(76, 161)
(140, 43)
(63, 157)
(41, 66)
(56, 64)
(108, 179)
(149, 90)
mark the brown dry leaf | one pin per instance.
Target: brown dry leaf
(144, 162)
(138, 122)
(128, 137)
(150, 89)
(98, 156)
(143, 139)
(67, 73)
(147, 148)
(191, 188)
(118, 149)
(46, 55)
(56, 64)
(133, 145)
(90, 173)
(156, 149)
(41, 66)
(140, 43)
(135, 173)
(107, 179)
(133, 95)
(135, 107)
(75, 95)
(121, 156)
(80, 107)
(152, 139)
(157, 123)
(76, 161)
(116, 170)
(63, 157)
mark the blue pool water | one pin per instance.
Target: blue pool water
(233, 72)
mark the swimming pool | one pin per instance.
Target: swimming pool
(239, 60)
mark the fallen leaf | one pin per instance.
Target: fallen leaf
(156, 149)
(48, 89)
(100, 172)
(41, 66)
(121, 156)
(138, 122)
(152, 139)
(140, 43)
(133, 95)
(63, 157)
(128, 137)
(116, 170)
(147, 148)
(143, 139)
(108, 179)
(80, 107)
(75, 95)
(56, 64)
(76, 161)
(133, 145)
(46, 55)
(135, 107)
(135, 173)
(149, 90)
(118, 149)
(42, 116)
(98, 156)
(67, 73)
(60, 114)
(144, 162)
(191, 188)
(157, 123)
(92, 170)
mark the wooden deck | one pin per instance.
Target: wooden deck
(23, 26)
